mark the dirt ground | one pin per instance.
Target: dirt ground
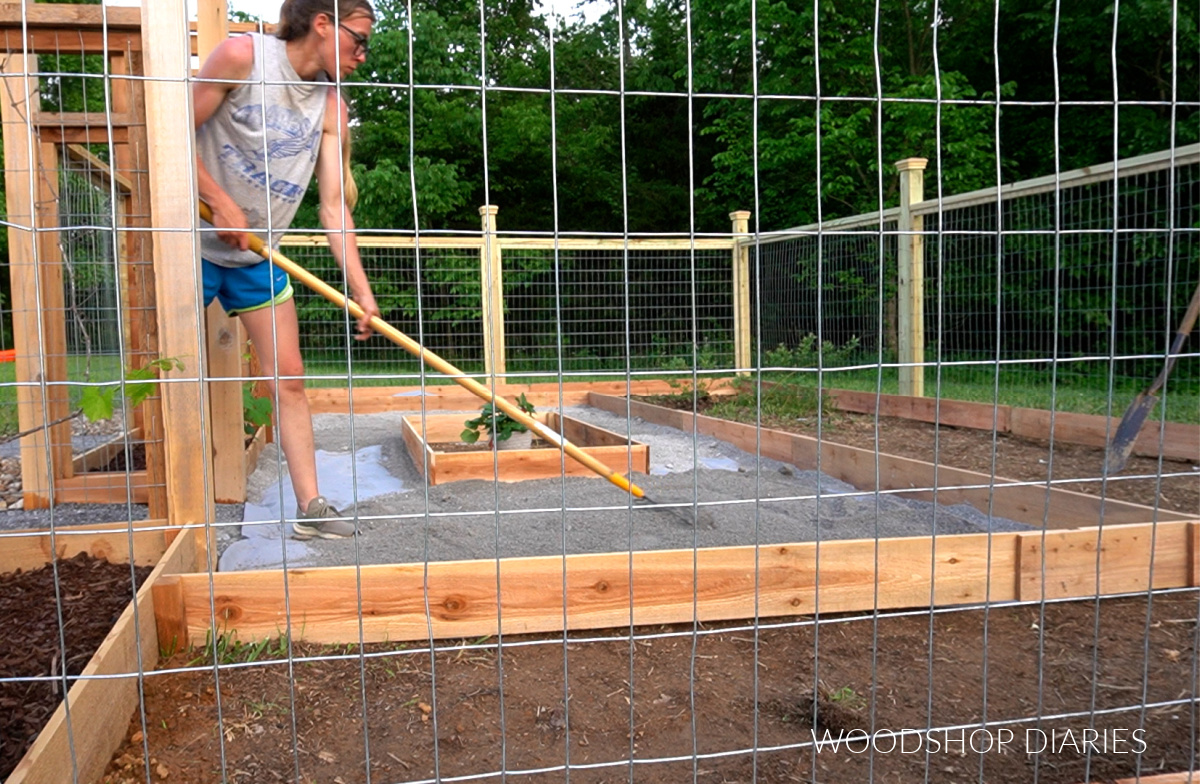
(690, 704)
(473, 711)
(1070, 466)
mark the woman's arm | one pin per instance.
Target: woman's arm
(229, 62)
(334, 212)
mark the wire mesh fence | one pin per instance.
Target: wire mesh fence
(952, 587)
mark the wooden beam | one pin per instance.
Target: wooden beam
(22, 169)
(491, 293)
(55, 135)
(137, 268)
(955, 413)
(670, 586)
(74, 120)
(516, 465)
(170, 613)
(1097, 561)
(104, 487)
(910, 278)
(451, 397)
(1193, 550)
(79, 747)
(97, 458)
(742, 358)
(38, 15)
(68, 40)
(54, 312)
(225, 339)
(99, 172)
(1022, 502)
(176, 262)
(33, 549)
(1180, 441)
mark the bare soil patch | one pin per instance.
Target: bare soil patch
(93, 595)
(716, 692)
(1070, 466)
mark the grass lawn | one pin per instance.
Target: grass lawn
(1017, 385)
(101, 368)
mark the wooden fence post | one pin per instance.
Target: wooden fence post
(35, 303)
(491, 281)
(741, 293)
(910, 277)
(224, 336)
(176, 264)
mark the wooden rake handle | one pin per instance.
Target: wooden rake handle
(433, 360)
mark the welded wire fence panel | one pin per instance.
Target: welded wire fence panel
(1085, 282)
(90, 274)
(433, 297)
(608, 310)
(835, 286)
(783, 586)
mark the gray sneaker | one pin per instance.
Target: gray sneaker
(315, 521)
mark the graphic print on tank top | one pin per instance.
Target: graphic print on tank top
(288, 134)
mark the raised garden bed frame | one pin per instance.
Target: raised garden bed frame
(1075, 559)
(422, 434)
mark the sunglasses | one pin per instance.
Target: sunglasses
(362, 44)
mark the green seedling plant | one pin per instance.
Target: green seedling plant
(499, 425)
(256, 410)
(98, 402)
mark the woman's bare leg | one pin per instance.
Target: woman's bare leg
(275, 332)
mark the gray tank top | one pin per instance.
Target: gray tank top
(263, 139)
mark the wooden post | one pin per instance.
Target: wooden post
(19, 108)
(224, 336)
(910, 277)
(176, 262)
(491, 279)
(741, 293)
(137, 269)
(54, 312)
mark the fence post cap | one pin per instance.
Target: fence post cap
(488, 209)
(740, 215)
(909, 164)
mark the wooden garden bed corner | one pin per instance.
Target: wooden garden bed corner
(100, 704)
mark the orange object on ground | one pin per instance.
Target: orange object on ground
(8, 355)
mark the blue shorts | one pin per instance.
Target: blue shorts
(240, 289)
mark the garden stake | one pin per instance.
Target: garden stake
(1127, 432)
(439, 364)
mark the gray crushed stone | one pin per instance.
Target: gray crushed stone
(707, 493)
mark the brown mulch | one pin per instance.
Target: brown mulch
(94, 593)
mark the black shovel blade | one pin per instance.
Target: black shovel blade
(1127, 432)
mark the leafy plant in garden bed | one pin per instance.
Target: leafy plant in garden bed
(498, 425)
